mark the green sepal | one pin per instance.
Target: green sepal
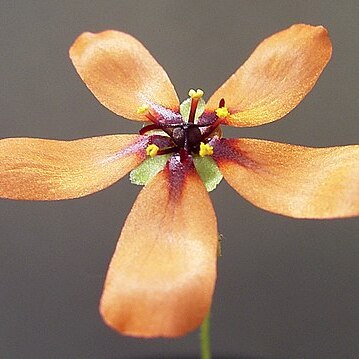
(208, 171)
(185, 109)
(142, 174)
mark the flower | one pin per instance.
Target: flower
(162, 275)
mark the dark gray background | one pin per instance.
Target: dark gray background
(286, 288)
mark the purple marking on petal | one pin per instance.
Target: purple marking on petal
(167, 116)
(207, 118)
(161, 141)
(177, 172)
(138, 148)
(225, 150)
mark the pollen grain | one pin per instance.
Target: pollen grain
(143, 109)
(152, 150)
(205, 149)
(195, 94)
(222, 112)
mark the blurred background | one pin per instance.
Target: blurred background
(286, 288)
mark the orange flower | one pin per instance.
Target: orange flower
(162, 275)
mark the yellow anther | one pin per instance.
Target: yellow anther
(142, 109)
(152, 150)
(205, 149)
(222, 112)
(195, 94)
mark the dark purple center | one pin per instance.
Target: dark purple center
(185, 137)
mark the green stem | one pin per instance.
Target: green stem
(205, 338)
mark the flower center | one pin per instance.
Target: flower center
(187, 136)
(189, 133)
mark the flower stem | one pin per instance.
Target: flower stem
(205, 338)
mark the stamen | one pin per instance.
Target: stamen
(148, 128)
(205, 149)
(168, 150)
(195, 96)
(145, 110)
(222, 112)
(152, 150)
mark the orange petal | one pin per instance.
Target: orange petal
(161, 278)
(295, 181)
(276, 77)
(121, 73)
(38, 169)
